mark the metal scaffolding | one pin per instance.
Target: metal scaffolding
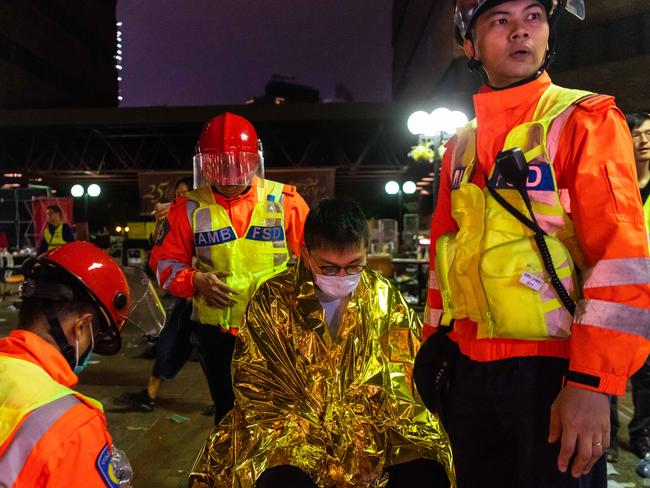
(362, 141)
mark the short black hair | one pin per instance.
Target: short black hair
(188, 181)
(636, 120)
(336, 223)
(32, 310)
(55, 209)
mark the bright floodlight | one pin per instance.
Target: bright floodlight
(118, 229)
(126, 229)
(409, 187)
(454, 121)
(439, 121)
(392, 187)
(418, 122)
(77, 190)
(94, 190)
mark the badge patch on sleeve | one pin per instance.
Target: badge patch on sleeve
(163, 230)
(105, 468)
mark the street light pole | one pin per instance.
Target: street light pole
(394, 188)
(78, 191)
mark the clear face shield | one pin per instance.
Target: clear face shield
(576, 7)
(229, 169)
(146, 313)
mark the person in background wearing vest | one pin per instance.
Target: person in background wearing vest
(75, 302)
(540, 346)
(56, 232)
(216, 244)
(322, 377)
(639, 124)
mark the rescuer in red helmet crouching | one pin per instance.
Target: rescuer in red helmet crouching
(76, 300)
(220, 241)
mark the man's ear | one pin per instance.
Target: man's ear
(82, 323)
(468, 47)
(303, 250)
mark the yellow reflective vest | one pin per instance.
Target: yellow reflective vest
(261, 252)
(53, 240)
(26, 387)
(491, 271)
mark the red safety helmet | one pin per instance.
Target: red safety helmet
(100, 275)
(228, 152)
(80, 263)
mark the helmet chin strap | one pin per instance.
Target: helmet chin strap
(475, 65)
(68, 351)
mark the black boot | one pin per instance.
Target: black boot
(138, 399)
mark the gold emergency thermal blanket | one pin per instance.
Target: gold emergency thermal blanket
(340, 408)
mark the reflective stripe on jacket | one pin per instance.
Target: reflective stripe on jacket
(27, 435)
(52, 435)
(26, 387)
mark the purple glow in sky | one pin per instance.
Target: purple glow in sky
(205, 52)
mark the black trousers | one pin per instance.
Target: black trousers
(497, 417)
(174, 346)
(421, 473)
(216, 349)
(640, 423)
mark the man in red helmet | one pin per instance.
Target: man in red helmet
(75, 302)
(218, 243)
(541, 343)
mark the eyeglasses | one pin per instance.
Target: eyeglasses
(334, 270)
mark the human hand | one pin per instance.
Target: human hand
(581, 419)
(216, 292)
(160, 210)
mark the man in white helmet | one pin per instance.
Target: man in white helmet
(542, 277)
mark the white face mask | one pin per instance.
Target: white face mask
(337, 286)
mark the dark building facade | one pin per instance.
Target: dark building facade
(57, 53)
(608, 52)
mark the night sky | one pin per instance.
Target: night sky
(205, 52)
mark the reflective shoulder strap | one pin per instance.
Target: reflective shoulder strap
(30, 432)
(556, 100)
(274, 188)
(463, 158)
(202, 195)
(540, 136)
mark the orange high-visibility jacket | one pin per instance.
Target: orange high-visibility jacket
(595, 165)
(68, 453)
(171, 258)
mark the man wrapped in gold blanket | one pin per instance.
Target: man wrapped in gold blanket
(322, 373)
